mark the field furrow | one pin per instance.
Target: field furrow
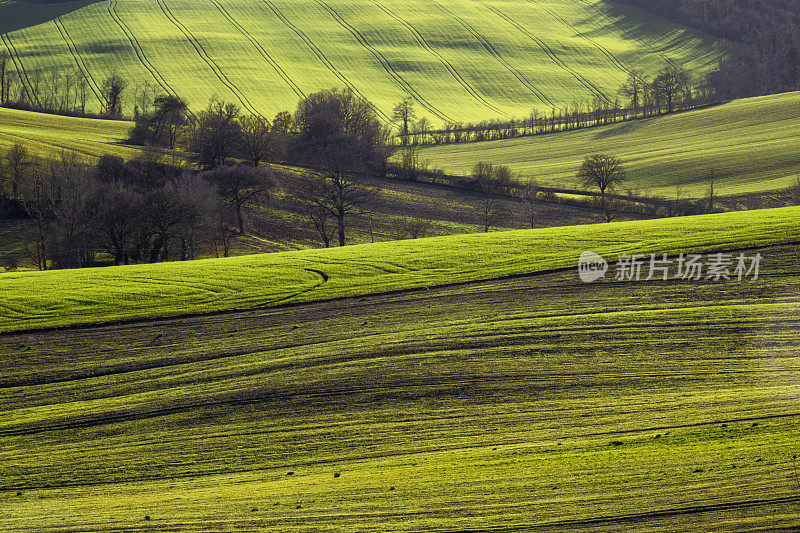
(549, 52)
(260, 49)
(207, 59)
(450, 68)
(387, 66)
(499, 57)
(79, 62)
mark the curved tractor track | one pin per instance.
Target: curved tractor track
(549, 53)
(324, 59)
(445, 63)
(387, 66)
(260, 49)
(76, 55)
(201, 51)
(489, 47)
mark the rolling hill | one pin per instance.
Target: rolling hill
(46, 135)
(751, 145)
(460, 60)
(535, 402)
(69, 297)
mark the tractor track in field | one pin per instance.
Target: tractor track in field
(260, 49)
(323, 58)
(603, 50)
(489, 47)
(137, 48)
(618, 520)
(76, 55)
(19, 67)
(445, 63)
(201, 51)
(636, 37)
(549, 52)
(387, 66)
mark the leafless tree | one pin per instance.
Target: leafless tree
(240, 186)
(670, 84)
(111, 90)
(217, 134)
(13, 167)
(342, 138)
(603, 172)
(405, 114)
(530, 203)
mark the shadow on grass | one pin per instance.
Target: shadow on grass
(20, 14)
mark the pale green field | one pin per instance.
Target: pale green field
(67, 297)
(461, 60)
(751, 145)
(47, 135)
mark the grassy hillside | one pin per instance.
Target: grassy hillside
(750, 144)
(463, 60)
(59, 298)
(538, 403)
(44, 134)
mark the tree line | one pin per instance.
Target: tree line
(670, 90)
(194, 179)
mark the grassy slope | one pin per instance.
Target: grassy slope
(507, 405)
(58, 298)
(44, 134)
(461, 60)
(752, 144)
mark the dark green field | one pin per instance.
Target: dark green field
(537, 402)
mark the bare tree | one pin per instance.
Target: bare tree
(633, 88)
(601, 171)
(111, 90)
(118, 218)
(530, 202)
(73, 211)
(341, 136)
(240, 186)
(36, 197)
(16, 161)
(4, 85)
(217, 134)
(405, 114)
(670, 84)
(711, 189)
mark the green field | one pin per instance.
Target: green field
(533, 403)
(68, 297)
(47, 135)
(461, 60)
(751, 145)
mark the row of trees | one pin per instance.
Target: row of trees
(70, 93)
(670, 90)
(146, 210)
